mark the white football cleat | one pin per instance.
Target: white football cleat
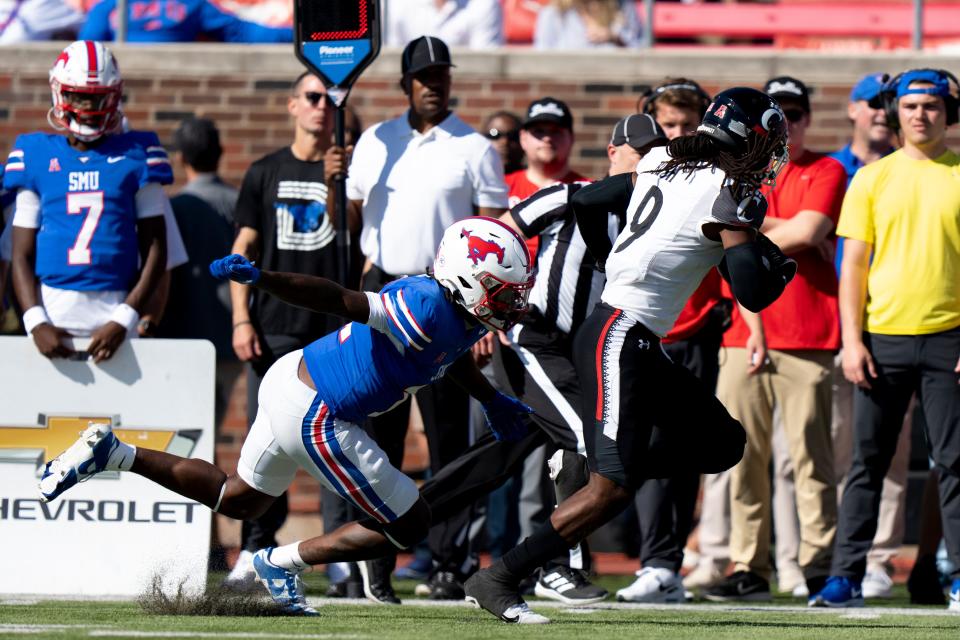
(96, 450)
(654, 584)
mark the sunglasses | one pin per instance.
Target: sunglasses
(314, 97)
(794, 115)
(496, 134)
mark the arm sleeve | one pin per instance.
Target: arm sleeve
(754, 284)
(151, 201)
(489, 188)
(592, 205)
(856, 214)
(97, 25)
(230, 28)
(247, 212)
(27, 210)
(409, 317)
(825, 193)
(543, 208)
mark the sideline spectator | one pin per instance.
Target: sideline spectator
(403, 210)
(284, 225)
(177, 21)
(502, 129)
(900, 313)
(199, 306)
(26, 20)
(587, 24)
(781, 360)
(472, 24)
(81, 275)
(871, 140)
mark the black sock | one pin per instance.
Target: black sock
(545, 543)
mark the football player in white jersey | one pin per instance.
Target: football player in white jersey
(692, 205)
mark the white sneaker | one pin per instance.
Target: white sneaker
(243, 577)
(705, 575)
(653, 584)
(800, 591)
(877, 584)
(96, 450)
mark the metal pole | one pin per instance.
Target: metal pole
(647, 41)
(340, 184)
(121, 34)
(917, 25)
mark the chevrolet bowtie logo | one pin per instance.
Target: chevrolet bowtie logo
(54, 434)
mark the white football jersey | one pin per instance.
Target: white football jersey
(660, 257)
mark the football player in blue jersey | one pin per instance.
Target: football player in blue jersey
(313, 401)
(89, 243)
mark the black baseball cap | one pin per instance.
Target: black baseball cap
(640, 131)
(549, 110)
(788, 88)
(424, 52)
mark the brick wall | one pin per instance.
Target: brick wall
(244, 89)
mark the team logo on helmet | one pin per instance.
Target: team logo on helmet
(478, 249)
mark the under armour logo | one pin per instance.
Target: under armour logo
(643, 344)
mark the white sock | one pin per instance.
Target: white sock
(288, 557)
(121, 458)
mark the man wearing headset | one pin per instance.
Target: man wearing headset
(900, 317)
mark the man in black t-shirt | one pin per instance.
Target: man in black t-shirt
(283, 225)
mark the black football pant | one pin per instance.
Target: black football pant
(665, 506)
(905, 364)
(644, 415)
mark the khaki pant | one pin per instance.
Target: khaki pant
(798, 383)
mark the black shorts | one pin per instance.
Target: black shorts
(630, 388)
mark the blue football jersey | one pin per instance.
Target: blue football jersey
(87, 240)
(362, 370)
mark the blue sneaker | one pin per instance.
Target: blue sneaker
(285, 587)
(96, 450)
(839, 592)
(954, 597)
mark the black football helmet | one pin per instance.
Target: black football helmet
(747, 122)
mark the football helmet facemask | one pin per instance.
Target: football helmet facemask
(742, 119)
(486, 266)
(86, 86)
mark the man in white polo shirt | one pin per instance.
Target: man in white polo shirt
(409, 179)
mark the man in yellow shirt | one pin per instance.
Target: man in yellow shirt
(900, 319)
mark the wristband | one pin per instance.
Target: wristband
(125, 316)
(34, 316)
(241, 323)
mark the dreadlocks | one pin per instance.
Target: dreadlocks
(699, 151)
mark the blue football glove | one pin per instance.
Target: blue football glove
(507, 417)
(235, 267)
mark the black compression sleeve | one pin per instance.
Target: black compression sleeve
(753, 283)
(591, 206)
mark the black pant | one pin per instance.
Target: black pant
(665, 506)
(645, 416)
(905, 364)
(261, 532)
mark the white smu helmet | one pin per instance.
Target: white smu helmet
(86, 86)
(486, 266)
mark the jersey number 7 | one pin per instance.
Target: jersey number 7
(92, 201)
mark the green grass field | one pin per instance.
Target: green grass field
(420, 620)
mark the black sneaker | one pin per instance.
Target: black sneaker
(376, 580)
(569, 586)
(742, 585)
(489, 589)
(445, 586)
